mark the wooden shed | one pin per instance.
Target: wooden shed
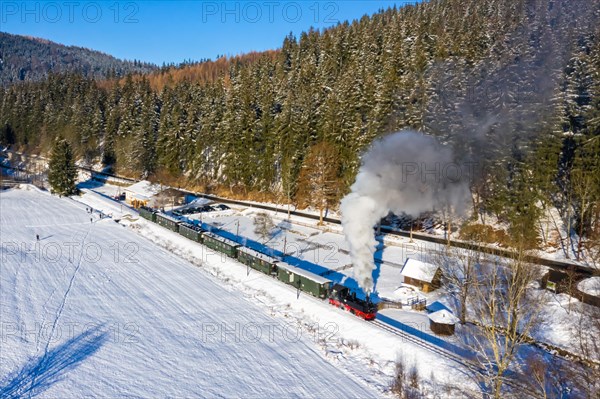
(424, 276)
(442, 322)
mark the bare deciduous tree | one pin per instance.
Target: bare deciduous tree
(459, 275)
(263, 225)
(508, 309)
(588, 340)
(585, 186)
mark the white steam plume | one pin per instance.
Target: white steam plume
(403, 172)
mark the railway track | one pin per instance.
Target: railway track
(426, 345)
(470, 365)
(554, 264)
(558, 265)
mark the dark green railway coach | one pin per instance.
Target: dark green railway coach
(257, 261)
(191, 231)
(148, 213)
(303, 280)
(218, 243)
(167, 221)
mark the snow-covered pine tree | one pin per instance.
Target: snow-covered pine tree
(62, 172)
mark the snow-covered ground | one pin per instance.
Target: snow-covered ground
(590, 286)
(326, 246)
(94, 309)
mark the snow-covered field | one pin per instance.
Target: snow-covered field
(111, 309)
(94, 310)
(104, 309)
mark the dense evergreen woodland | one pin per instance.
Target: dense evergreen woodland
(30, 59)
(513, 85)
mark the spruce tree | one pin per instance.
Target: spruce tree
(62, 172)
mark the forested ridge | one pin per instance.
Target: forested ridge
(513, 85)
(24, 58)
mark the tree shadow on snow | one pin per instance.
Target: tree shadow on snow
(42, 372)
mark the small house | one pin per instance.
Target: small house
(424, 276)
(442, 322)
(556, 281)
(141, 193)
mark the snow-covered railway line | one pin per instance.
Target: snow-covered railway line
(449, 355)
(424, 344)
(555, 264)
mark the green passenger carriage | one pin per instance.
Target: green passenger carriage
(191, 231)
(148, 213)
(168, 222)
(303, 280)
(221, 244)
(257, 261)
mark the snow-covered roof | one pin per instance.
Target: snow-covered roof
(257, 254)
(443, 317)
(419, 270)
(590, 286)
(143, 189)
(435, 306)
(304, 273)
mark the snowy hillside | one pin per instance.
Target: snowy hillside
(94, 310)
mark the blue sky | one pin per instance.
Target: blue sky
(173, 31)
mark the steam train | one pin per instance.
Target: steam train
(342, 297)
(338, 295)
